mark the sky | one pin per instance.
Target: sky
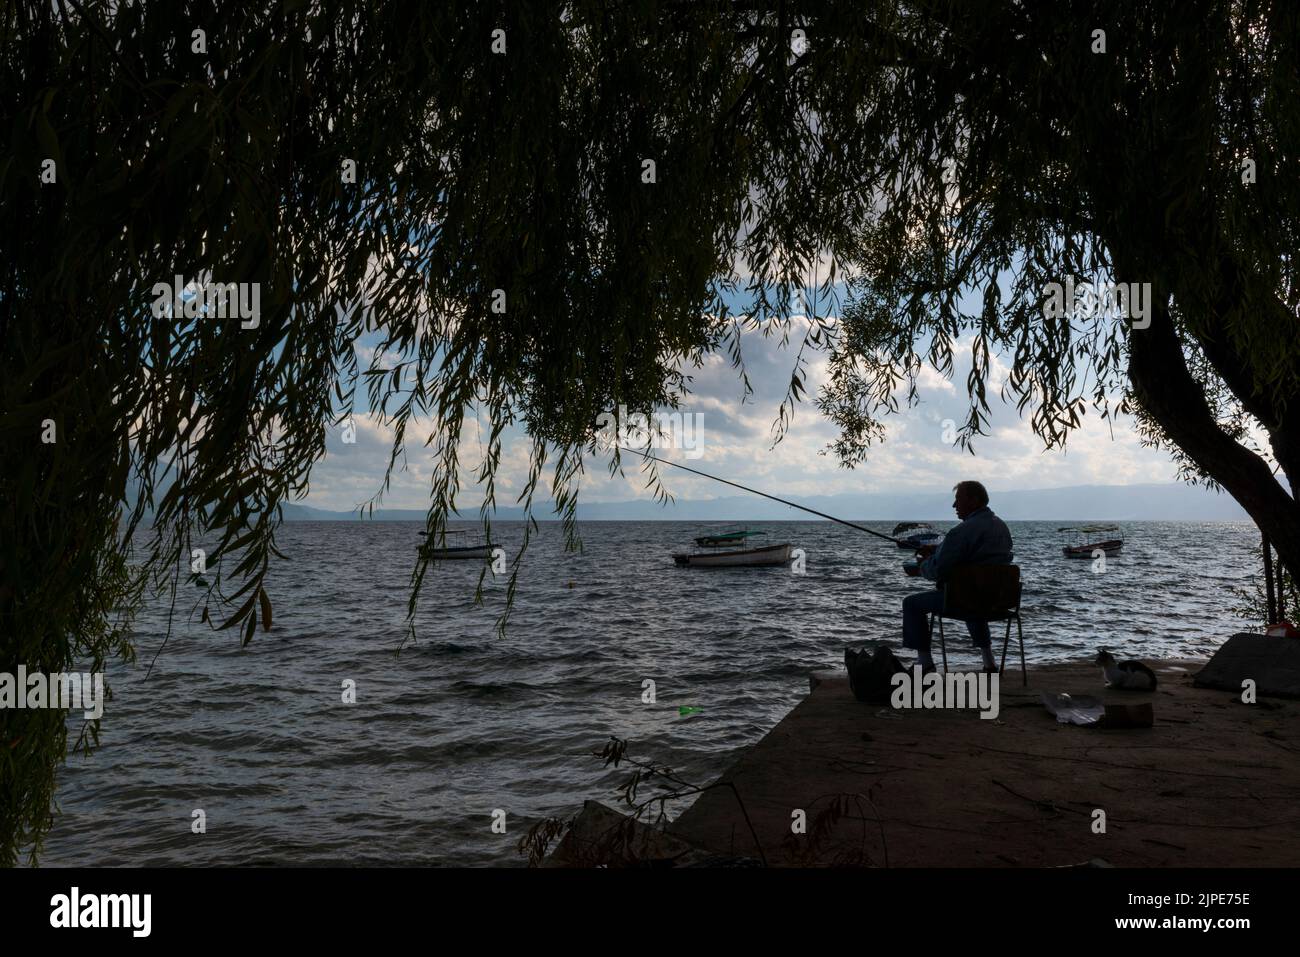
(735, 440)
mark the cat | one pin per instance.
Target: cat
(1129, 675)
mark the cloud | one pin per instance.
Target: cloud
(737, 444)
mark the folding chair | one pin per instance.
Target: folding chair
(983, 593)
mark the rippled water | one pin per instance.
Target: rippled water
(463, 722)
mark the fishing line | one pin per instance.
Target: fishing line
(745, 488)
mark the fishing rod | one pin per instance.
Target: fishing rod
(802, 508)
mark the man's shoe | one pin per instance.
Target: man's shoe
(990, 670)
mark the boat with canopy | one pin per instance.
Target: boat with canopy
(460, 550)
(719, 551)
(1089, 539)
(915, 535)
(731, 537)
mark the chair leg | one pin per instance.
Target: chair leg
(1005, 641)
(943, 646)
(1020, 633)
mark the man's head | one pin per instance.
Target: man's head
(968, 497)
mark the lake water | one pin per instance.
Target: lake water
(463, 723)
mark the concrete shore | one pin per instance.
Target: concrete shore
(1214, 782)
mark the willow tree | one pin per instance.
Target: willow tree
(537, 215)
(1021, 151)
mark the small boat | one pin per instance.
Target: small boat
(481, 551)
(718, 551)
(1092, 543)
(914, 535)
(733, 558)
(734, 537)
(467, 551)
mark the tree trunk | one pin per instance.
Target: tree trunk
(1175, 400)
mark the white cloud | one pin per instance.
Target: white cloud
(738, 445)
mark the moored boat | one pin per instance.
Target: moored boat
(1092, 544)
(733, 537)
(465, 551)
(481, 550)
(915, 535)
(733, 558)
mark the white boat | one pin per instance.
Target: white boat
(767, 555)
(915, 535)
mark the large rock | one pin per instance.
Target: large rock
(1272, 663)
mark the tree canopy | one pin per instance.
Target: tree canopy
(540, 211)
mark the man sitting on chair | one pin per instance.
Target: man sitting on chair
(980, 539)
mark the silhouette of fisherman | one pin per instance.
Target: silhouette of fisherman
(981, 538)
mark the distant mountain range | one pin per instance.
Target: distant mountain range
(1075, 503)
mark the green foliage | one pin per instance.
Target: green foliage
(1056, 153)
(75, 588)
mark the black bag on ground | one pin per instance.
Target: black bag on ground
(871, 673)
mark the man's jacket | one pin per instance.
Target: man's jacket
(982, 539)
